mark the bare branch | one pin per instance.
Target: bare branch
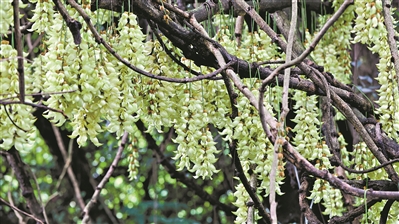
(18, 43)
(19, 216)
(387, 4)
(280, 132)
(250, 203)
(310, 216)
(73, 25)
(20, 211)
(71, 174)
(15, 161)
(100, 186)
(351, 215)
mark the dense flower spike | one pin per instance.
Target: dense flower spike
(6, 16)
(370, 29)
(332, 51)
(17, 121)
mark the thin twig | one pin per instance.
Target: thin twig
(73, 25)
(12, 121)
(63, 172)
(18, 43)
(251, 209)
(17, 57)
(272, 177)
(66, 165)
(285, 110)
(238, 29)
(169, 52)
(34, 94)
(20, 211)
(22, 175)
(100, 186)
(34, 105)
(39, 195)
(288, 53)
(28, 25)
(71, 174)
(20, 218)
(387, 4)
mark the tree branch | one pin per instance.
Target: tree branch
(309, 215)
(20, 211)
(18, 43)
(70, 172)
(23, 178)
(386, 9)
(100, 186)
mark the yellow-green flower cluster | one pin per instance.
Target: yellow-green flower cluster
(6, 16)
(307, 130)
(17, 122)
(241, 202)
(196, 150)
(253, 147)
(332, 201)
(363, 159)
(370, 29)
(254, 47)
(101, 88)
(42, 15)
(332, 51)
(374, 213)
(330, 198)
(133, 160)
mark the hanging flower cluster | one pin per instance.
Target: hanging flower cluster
(133, 160)
(17, 119)
(307, 130)
(309, 143)
(242, 198)
(363, 160)
(42, 15)
(332, 51)
(6, 16)
(254, 48)
(370, 30)
(329, 197)
(253, 147)
(196, 150)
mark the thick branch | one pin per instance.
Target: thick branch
(23, 178)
